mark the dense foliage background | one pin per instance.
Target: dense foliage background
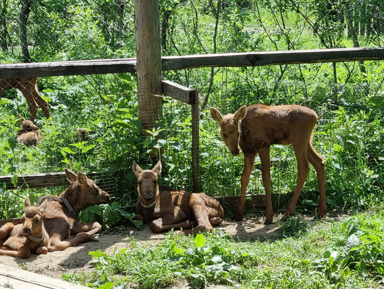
(348, 97)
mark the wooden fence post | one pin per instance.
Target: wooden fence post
(196, 144)
(148, 53)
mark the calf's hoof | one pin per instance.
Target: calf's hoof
(288, 213)
(321, 213)
(215, 221)
(238, 217)
(42, 250)
(24, 252)
(93, 238)
(268, 222)
(83, 237)
(318, 217)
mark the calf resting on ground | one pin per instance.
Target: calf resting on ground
(30, 135)
(165, 209)
(30, 236)
(61, 216)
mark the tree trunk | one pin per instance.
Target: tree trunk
(120, 13)
(24, 14)
(216, 12)
(3, 26)
(164, 29)
(353, 33)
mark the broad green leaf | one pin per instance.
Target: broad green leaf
(199, 241)
(178, 250)
(14, 180)
(87, 148)
(68, 150)
(108, 285)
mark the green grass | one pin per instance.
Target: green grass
(330, 254)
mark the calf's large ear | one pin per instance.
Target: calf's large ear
(27, 202)
(82, 179)
(240, 113)
(216, 115)
(71, 176)
(136, 169)
(157, 168)
(43, 206)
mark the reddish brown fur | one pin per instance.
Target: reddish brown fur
(165, 209)
(30, 236)
(28, 87)
(30, 135)
(255, 128)
(62, 225)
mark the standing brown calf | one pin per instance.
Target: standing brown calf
(61, 216)
(255, 128)
(30, 236)
(30, 135)
(28, 87)
(165, 209)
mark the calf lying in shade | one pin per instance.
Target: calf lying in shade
(165, 209)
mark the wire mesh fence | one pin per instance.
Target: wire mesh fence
(94, 120)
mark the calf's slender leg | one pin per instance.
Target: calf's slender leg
(266, 177)
(302, 173)
(160, 225)
(88, 228)
(319, 165)
(56, 244)
(247, 170)
(41, 102)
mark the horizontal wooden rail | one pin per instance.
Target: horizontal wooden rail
(49, 180)
(102, 66)
(272, 58)
(65, 68)
(179, 92)
(11, 277)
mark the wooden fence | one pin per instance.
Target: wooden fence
(103, 66)
(52, 180)
(182, 93)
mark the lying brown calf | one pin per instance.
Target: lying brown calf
(30, 135)
(165, 209)
(61, 218)
(28, 87)
(30, 236)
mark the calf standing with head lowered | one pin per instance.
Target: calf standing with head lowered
(165, 209)
(30, 236)
(61, 218)
(255, 128)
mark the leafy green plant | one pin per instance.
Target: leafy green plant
(209, 263)
(8, 201)
(293, 227)
(343, 254)
(359, 248)
(108, 214)
(200, 260)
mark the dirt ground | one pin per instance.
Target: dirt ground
(55, 264)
